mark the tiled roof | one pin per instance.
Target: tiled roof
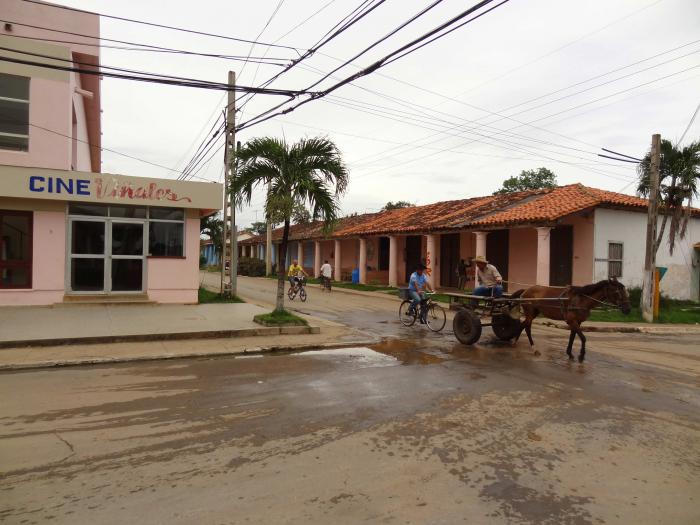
(544, 206)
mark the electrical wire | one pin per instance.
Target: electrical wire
(692, 119)
(157, 79)
(162, 26)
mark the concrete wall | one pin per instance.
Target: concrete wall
(629, 228)
(49, 248)
(522, 258)
(176, 280)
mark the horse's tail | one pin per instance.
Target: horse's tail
(517, 293)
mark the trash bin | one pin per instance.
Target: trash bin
(356, 276)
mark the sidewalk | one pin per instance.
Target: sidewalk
(24, 326)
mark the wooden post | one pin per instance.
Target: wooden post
(657, 293)
(650, 258)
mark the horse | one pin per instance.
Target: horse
(574, 307)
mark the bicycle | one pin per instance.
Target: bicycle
(298, 288)
(430, 312)
(326, 284)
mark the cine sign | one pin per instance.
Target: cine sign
(57, 185)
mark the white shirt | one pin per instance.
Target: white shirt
(326, 270)
(489, 276)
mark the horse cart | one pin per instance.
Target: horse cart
(503, 314)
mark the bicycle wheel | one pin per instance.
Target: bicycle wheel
(435, 317)
(291, 294)
(302, 295)
(406, 318)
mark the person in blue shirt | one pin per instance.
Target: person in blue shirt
(416, 285)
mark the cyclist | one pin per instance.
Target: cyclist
(416, 284)
(294, 273)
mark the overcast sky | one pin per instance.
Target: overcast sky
(453, 145)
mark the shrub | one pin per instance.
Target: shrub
(251, 267)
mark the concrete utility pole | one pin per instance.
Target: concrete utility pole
(268, 249)
(648, 289)
(229, 285)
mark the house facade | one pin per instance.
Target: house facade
(567, 235)
(69, 232)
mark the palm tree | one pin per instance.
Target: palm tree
(678, 177)
(213, 227)
(309, 173)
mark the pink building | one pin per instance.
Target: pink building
(67, 231)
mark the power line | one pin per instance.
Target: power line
(162, 26)
(156, 78)
(273, 61)
(372, 68)
(692, 119)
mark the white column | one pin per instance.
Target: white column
(432, 251)
(363, 261)
(317, 259)
(543, 236)
(480, 251)
(393, 261)
(300, 253)
(336, 253)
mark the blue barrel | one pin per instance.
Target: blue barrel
(356, 276)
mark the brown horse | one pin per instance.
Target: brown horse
(574, 306)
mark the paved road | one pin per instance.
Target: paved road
(400, 434)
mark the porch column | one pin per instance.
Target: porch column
(480, 251)
(363, 261)
(300, 253)
(317, 259)
(393, 261)
(543, 236)
(336, 252)
(431, 259)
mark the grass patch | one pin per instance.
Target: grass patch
(670, 311)
(283, 318)
(207, 296)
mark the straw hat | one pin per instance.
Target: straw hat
(480, 259)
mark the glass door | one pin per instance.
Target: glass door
(106, 255)
(88, 259)
(126, 256)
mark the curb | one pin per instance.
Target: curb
(258, 350)
(649, 330)
(176, 336)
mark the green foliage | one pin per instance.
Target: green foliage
(207, 296)
(202, 261)
(251, 267)
(679, 173)
(529, 180)
(257, 227)
(213, 227)
(396, 205)
(280, 318)
(301, 215)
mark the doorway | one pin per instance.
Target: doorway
(414, 248)
(106, 255)
(561, 255)
(497, 243)
(449, 260)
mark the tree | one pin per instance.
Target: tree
(396, 205)
(310, 173)
(257, 227)
(529, 180)
(213, 227)
(300, 214)
(678, 186)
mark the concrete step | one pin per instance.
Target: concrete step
(108, 299)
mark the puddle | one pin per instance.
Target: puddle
(361, 357)
(409, 353)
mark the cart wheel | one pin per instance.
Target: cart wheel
(505, 327)
(406, 318)
(466, 326)
(302, 295)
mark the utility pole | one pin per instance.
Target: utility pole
(648, 289)
(229, 251)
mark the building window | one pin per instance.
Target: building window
(14, 108)
(614, 259)
(166, 232)
(15, 249)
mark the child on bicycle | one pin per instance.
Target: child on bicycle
(416, 284)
